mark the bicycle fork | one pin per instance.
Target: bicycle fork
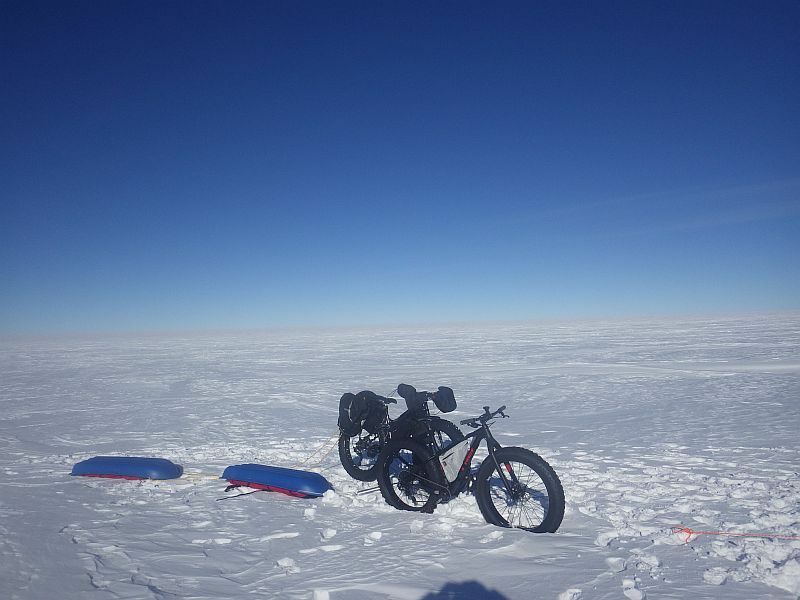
(509, 478)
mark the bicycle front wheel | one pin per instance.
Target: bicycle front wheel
(528, 493)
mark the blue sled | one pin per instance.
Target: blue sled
(128, 467)
(300, 484)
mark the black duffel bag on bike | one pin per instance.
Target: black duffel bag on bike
(361, 411)
(377, 412)
(352, 411)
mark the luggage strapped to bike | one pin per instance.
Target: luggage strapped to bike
(365, 410)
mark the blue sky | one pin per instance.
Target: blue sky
(212, 165)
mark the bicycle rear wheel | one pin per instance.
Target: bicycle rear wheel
(359, 455)
(407, 478)
(444, 434)
(528, 495)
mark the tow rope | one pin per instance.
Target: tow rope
(315, 452)
(232, 487)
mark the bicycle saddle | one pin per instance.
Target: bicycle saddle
(407, 392)
(414, 400)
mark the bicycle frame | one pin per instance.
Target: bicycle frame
(465, 471)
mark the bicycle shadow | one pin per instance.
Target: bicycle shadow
(465, 590)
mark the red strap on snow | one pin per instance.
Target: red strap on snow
(686, 533)
(113, 476)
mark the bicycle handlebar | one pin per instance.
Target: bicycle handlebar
(413, 398)
(367, 394)
(486, 416)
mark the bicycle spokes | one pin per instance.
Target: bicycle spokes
(520, 496)
(408, 479)
(365, 450)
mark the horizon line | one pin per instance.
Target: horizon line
(155, 332)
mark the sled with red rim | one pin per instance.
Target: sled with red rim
(292, 482)
(127, 467)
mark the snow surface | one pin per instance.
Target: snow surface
(649, 423)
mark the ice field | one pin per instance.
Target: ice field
(649, 423)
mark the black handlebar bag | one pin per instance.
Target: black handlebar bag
(445, 399)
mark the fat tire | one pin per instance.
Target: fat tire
(346, 458)
(444, 426)
(448, 428)
(421, 454)
(555, 492)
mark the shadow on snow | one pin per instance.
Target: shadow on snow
(466, 590)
